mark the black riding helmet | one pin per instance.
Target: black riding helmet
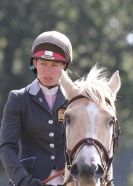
(53, 46)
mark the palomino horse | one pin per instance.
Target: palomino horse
(92, 129)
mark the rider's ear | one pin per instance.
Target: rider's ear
(35, 62)
(115, 82)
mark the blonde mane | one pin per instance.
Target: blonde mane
(95, 86)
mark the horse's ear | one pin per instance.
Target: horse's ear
(115, 82)
(68, 85)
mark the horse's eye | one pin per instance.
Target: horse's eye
(112, 121)
(67, 120)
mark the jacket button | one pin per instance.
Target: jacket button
(50, 121)
(52, 157)
(40, 99)
(51, 145)
(51, 134)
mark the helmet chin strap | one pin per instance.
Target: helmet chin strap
(49, 87)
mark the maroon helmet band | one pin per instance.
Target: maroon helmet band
(50, 55)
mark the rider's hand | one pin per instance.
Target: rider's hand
(35, 182)
(29, 181)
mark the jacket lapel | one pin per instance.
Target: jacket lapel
(60, 100)
(37, 95)
(40, 99)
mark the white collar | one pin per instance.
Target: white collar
(47, 91)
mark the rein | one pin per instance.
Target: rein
(98, 145)
(59, 173)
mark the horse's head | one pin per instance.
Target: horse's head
(91, 126)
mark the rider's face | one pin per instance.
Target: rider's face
(48, 72)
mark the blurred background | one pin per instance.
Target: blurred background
(101, 32)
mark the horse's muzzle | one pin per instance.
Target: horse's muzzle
(85, 170)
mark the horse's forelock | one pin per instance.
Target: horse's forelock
(95, 86)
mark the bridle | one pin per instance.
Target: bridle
(107, 161)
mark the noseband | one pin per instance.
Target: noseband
(98, 145)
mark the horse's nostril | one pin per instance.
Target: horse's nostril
(99, 172)
(74, 170)
(79, 168)
(94, 166)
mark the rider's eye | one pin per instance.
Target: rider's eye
(112, 121)
(67, 120)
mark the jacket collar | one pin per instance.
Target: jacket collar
(35, 90)
(34, 87)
